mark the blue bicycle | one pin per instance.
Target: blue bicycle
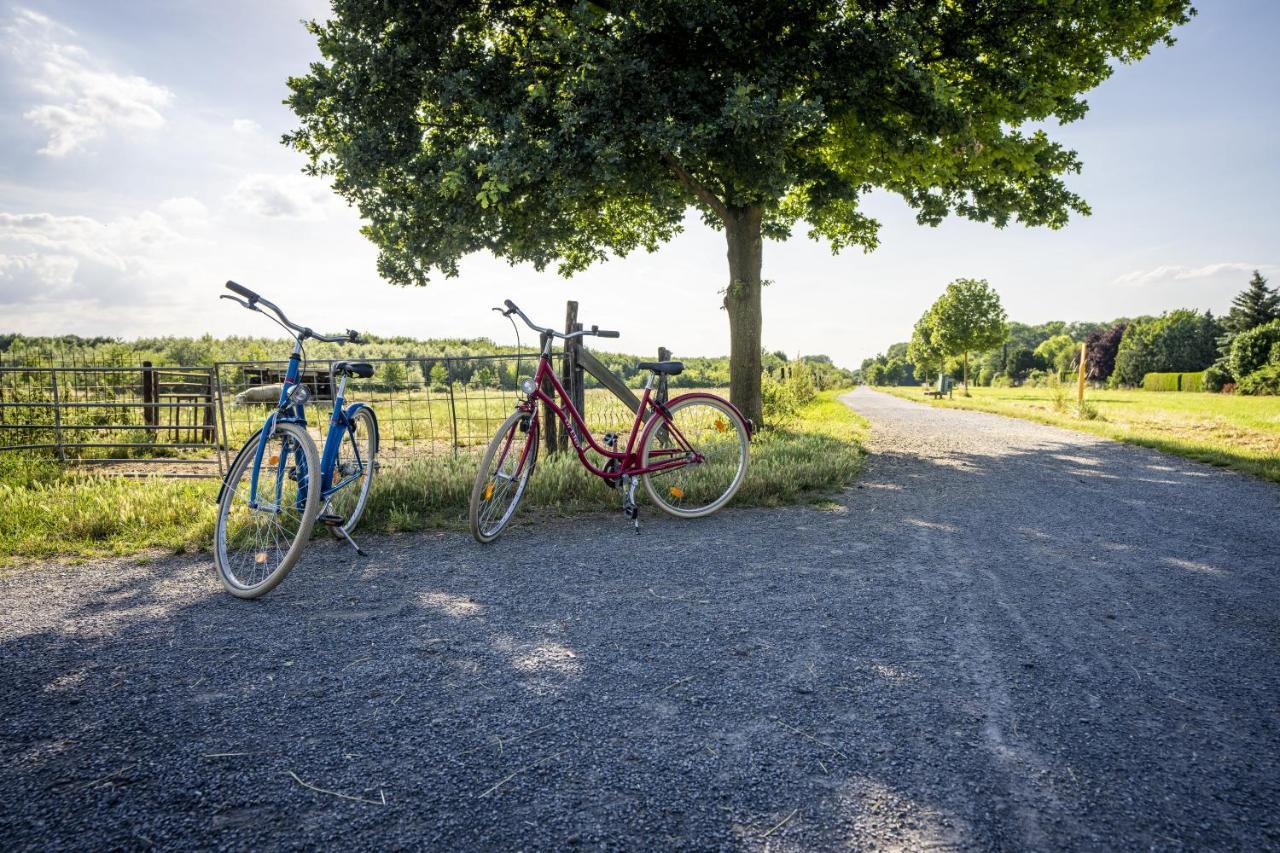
(279, 486)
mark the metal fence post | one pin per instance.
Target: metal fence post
(57, 416)
(453, 413)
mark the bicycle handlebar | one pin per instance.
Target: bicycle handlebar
(512, 308)
(252, 299)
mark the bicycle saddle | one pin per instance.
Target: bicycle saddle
(670, 368)
(359, 369)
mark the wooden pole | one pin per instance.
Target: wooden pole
(1084, 350)
(568, 371)
(608, 379)
(149, 413)
(664, 354)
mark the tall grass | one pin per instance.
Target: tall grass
(48, 511)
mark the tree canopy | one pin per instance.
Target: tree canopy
(1256, 305)
(560, 133)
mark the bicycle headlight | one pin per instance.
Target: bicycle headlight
(298, 394)
(528, 386)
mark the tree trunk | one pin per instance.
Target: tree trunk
(742, 302)
(966, 372)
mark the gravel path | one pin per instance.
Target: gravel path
(1006, 637)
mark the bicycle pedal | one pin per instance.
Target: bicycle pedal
(330, 519)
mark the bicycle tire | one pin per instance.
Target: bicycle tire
(293, 438)
(484, 491)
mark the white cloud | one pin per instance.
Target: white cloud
(246, 126)
(284, 197)
(184, 210)
(44, 257)
(1174, 272)
(82, 98)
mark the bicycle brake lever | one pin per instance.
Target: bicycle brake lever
(238, 301)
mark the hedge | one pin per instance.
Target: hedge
(1173, 381)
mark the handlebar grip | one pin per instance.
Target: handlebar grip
(353, 336)
(601, 333)
(511, 306)
(243, 291)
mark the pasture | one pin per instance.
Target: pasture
(1238, 432)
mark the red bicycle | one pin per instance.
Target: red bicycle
(690, 452)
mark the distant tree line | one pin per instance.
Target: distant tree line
(1238, 351)
(437, 363)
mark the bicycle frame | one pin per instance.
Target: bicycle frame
(339, 423)
(575, 426)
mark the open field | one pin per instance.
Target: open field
(51, 512)
(1232, 431)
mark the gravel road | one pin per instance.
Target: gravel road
(1006, 637)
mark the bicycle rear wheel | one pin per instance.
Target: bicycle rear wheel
(705, 441)
(256, 544)
(504, 473)
(356, 462)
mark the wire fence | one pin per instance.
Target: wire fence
(189, 421)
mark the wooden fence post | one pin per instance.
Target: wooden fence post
(209, 431)
(150, 416)
(664, 354)
(568, 368)
(548, 416)
(1084, 351)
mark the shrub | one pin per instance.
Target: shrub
(1001, 381)
(1250, 350)
(1263, 381)
(1193, 382)
(1161, 382)
(1215, 377)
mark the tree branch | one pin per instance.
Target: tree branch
(703, 194)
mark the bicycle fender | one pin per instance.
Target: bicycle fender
(750, 424)
(356, 407)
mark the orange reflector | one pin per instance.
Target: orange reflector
(488, 490)
(676, 492)
(274, 460)
(721, 426)
(260, 558)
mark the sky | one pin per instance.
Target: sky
(141, 167)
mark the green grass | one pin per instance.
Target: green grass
(1228, 430)
(51, 512)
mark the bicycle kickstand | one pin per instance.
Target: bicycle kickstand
(629, 506)
(342, 532)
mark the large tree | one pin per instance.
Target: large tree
(1256, 305)
(968, 316)
(561, 132)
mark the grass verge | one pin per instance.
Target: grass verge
(1230, 431)
(51, 512)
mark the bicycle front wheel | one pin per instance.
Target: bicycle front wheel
(257, 541)
(504, 473)
(353, 469)
(700, 449)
